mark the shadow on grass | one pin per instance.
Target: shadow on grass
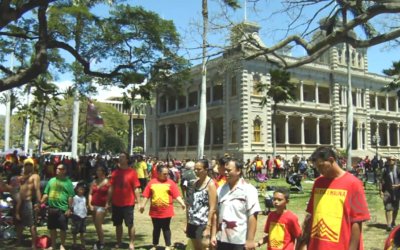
(377, 225)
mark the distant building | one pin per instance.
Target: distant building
(238, 125)
(139, 117)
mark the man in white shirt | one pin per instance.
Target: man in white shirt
(238, 207)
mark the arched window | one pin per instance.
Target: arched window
(256, 82)
(234, 131)
(257, 129)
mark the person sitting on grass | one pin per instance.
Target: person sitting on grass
(282, 228)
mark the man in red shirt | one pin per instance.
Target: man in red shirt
(123, 193)
(337, 207)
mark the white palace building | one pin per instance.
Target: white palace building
(238, 125)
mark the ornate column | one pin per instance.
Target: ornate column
(211, 131)
(301, 91)
(166, 136)
(387, 134)
(376, 101)
(167, 104)
(387, 102)
(316, 93)
(359, 137)
(344, 135)
(187, 100)
(398, 135)
(317, 131)
(336, 119)
(187, 125)
(377, 134)
(176, 134)
(302, 130)
(286, 129)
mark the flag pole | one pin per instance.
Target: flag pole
(86, 127)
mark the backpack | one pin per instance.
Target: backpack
(302, 165)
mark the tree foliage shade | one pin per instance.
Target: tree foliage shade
(394, 71)
(365, 15)
(125, 46)
(280, 90)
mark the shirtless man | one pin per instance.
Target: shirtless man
(29, 193)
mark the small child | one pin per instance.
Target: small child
(79, 208)
(282, 228)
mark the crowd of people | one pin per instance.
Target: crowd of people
(221, 206)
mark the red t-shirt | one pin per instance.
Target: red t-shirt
(124, 182)
(161, 195)
(283, 230)
(154, 173)
(99, 195)
(389, 245)
(335, 204)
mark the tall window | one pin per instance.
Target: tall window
(257, 130)
(233, 85)
(234, 131)
(256, 82)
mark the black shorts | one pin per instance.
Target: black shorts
(195, 231)
(78, 224)
(56, 219)
(120, 214)
(143, 183)
(391, 201)
(228, 246)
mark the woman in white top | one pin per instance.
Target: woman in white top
(201, 199)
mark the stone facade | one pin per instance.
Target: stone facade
(237, 124)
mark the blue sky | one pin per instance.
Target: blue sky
(187, 13)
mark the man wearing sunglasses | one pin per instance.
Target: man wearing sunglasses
(59, 193)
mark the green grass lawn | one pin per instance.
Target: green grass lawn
(374, 230)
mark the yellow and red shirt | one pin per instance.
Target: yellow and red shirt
(162, 195)
(283, 230)
(334, 205)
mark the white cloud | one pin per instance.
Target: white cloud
(103, 92)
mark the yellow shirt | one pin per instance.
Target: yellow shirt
(141, 169)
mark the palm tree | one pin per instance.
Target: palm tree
(134, 105)
(281, 90)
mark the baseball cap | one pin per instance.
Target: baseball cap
(29, 161)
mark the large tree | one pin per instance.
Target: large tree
(203, 87)
(124, 46)
(306, 16)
